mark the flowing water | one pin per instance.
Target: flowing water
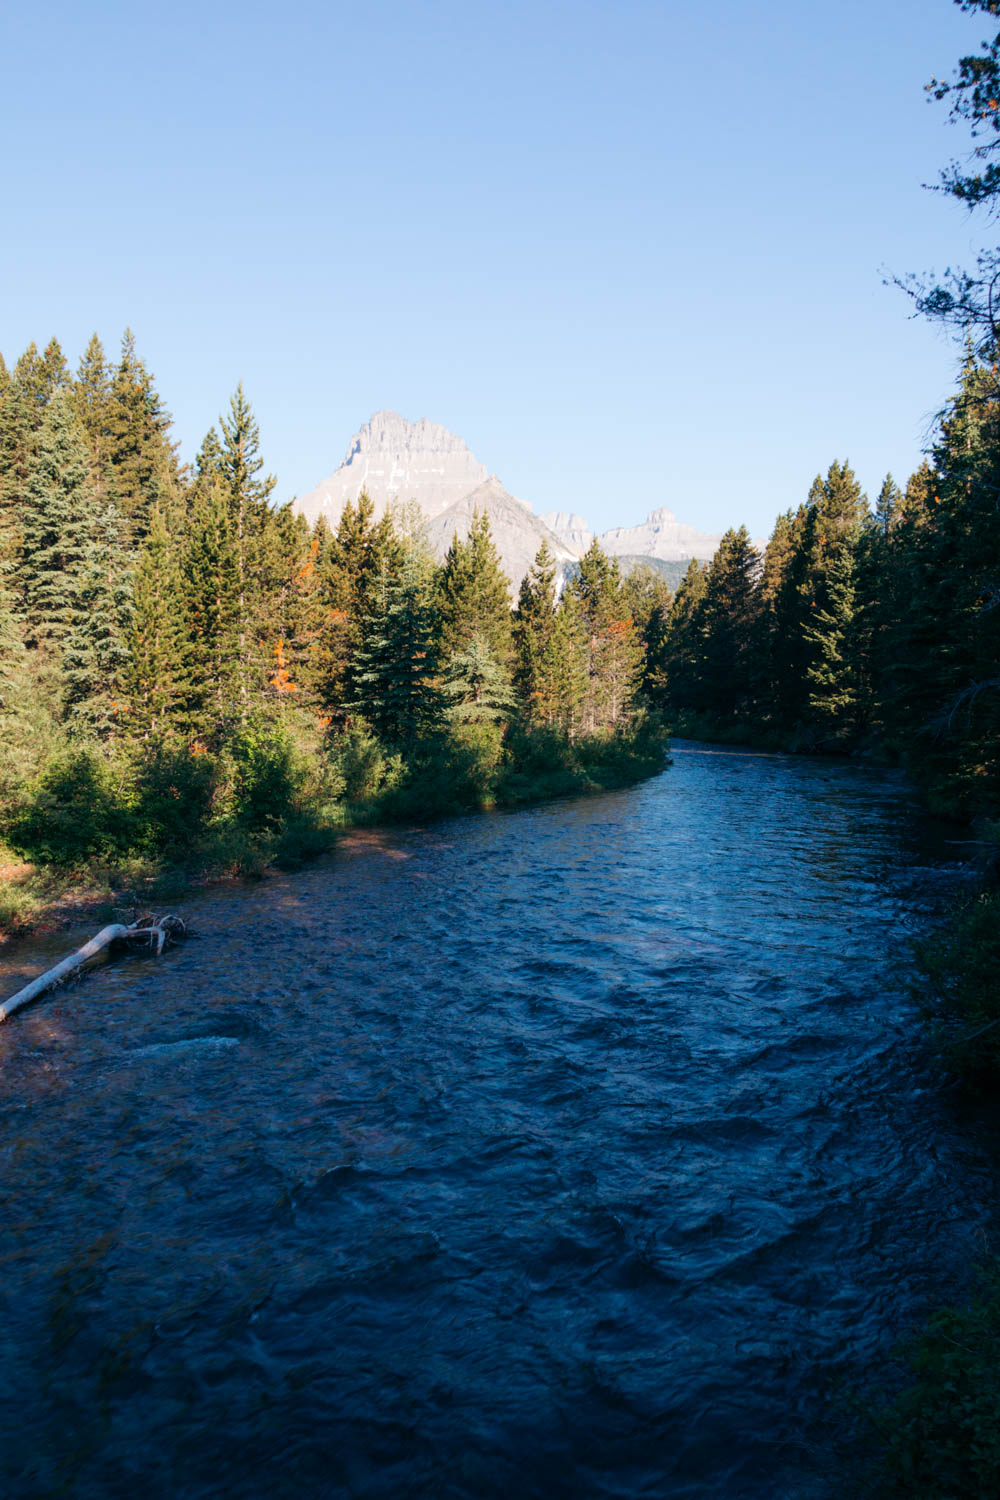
(581, 1151)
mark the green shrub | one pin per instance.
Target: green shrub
(173, 797)
(940, 1437)
(79, 808)
(961, 995)
(260, 778)
(360, 761)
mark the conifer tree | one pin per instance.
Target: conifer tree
(394, 661)
(35, 379)
(476, 687)
(833, 674)
(615, 651)
(534, 624)
(352, 573)
(649, 600)
(563, 679)
(888, 505)
(832, 669)
(92, 399)
(25, 722)
(239, 464)
(159, 645)
(729, 630)
(141, 465)
(208, 460)
(60, 519)
(211, 588)
(682, 651)
(475, 593)
(95, 648)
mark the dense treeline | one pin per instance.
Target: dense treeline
(873, 628)
(181, 656)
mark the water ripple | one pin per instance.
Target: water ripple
(578, 1152)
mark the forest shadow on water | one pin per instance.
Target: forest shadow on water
(590, 1149)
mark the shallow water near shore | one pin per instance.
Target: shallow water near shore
(586, 1150)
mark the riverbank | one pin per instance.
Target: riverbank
(47, 894)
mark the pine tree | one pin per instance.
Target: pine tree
(394, 661)
(208, 460)
(211, 588)
(534, 624)
(476, 687)
(141, 465)
(92, 400)
(60, 519)
(615, 651)
(475, 593)
(563, 678)
(159, 646)
(239, 464)
(35, 379)
(352, 572)
(888, 505)
(683, 646)
(832, 670)
(95, 648)
(25, 723)
(729, 629)
(833, 674)
(649, 600)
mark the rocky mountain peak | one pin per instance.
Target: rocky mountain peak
(394, 460)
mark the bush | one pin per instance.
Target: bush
(79, 808)
(260, 779)
(173, 795)
(361, 762)
(961, 997)
(941, 1435)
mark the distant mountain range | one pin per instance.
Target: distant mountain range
(396, 462)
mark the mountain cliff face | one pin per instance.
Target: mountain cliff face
(570, 529)
(517, 532)
(661, 535)
(397, 461)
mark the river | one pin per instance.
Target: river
(583, 1151)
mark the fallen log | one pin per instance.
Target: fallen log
(156, 931)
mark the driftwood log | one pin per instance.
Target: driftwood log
(154, 932)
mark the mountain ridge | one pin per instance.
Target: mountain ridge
(396, 461)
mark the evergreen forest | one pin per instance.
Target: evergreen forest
(193, 678)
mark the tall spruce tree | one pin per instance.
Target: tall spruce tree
(474, 593)
(60, 521)
(534, 624)
(475, 686)
(239, 466)
(683, 645)
(141, 464)
(159, 643)
(35, 379)
(95, 648)
(729, 628)
(615, 650)
(830, 635)
(92, 399)
(211, 589)
(394, 664)
(563, 681)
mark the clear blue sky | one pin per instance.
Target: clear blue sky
(631, 252)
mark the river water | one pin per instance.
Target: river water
(581, 1151)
